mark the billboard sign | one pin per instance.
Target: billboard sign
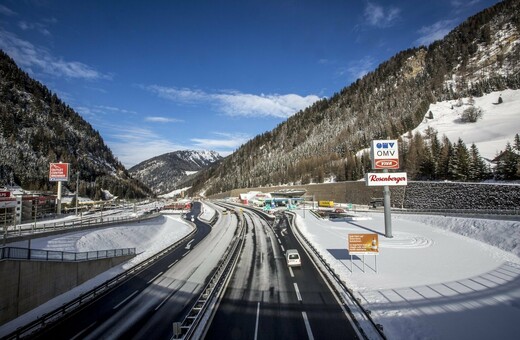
(59, 172)
(384, 154)
(4, 194)
(386, 178)
(363, 244)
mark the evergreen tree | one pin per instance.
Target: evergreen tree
(478, 170)
(516, 145)
(507, 167)
(459, 163)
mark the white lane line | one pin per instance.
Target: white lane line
(283, 249)
(307, 326)
(297, 292)
(164, 301)
(257, 317)
(279, 240)
(171, 265)
(186, 253)
(80, 334)
(156, 276)
(128, 298)
(291, 272)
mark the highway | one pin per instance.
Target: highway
(265, 299)
(146, 305)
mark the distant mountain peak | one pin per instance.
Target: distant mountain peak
(163, 173)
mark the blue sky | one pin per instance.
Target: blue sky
(158, 76)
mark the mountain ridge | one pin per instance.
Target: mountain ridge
(166, 172)
(479, 56)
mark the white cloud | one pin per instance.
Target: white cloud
(162, 120)
(239, 104)
(435, 32)
(24, 25)
(32, 57)
(379, 16)
(6, 11)
(224, 145)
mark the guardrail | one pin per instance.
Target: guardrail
(49, 318)
(85, 222)
(203, 308)
(17, 253)
(354, 306)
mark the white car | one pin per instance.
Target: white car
(293, 258)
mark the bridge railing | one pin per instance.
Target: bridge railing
(17, 253)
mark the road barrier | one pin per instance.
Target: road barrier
(17, 253)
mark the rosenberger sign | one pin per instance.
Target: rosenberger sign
(384, 154)
(59, 172)
(363, 244)
(388, 178)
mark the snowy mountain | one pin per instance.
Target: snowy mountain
(165, 172)
(37, 128)
(479, 57)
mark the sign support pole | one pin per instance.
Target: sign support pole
(58, 199)
(388, 217)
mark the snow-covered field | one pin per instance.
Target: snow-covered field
(437, 278)
(499, 123)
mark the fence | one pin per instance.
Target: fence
(16, 253)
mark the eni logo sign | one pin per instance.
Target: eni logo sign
(384, 154)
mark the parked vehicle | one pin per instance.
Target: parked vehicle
(293, 258)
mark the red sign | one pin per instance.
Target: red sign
(5, 194)
(386, 164)
(59, 172)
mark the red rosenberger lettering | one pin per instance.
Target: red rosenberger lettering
(389, 178)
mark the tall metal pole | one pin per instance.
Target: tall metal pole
(386, 202)
(58, 200)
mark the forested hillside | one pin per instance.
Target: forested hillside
(37, 128)
(480, 56)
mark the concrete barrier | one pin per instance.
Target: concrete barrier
(25, 285)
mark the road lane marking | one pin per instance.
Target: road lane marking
(283, 249)
(156, 276)
(188, 246)
(164, 301)
(279, 240)
(297, 292)
(128, 298)
(171, 265)
(307, 326)
(291, 272)
(80, 334)
(257, 317)
(186, 253)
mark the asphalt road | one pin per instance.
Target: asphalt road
(145, 306)
(267, 300)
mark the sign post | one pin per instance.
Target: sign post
(59, 172)
(363, 244)
(385, 155)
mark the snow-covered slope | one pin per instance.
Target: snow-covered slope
(499, 123)
(164, 172)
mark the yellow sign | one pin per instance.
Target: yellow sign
(363, 244)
